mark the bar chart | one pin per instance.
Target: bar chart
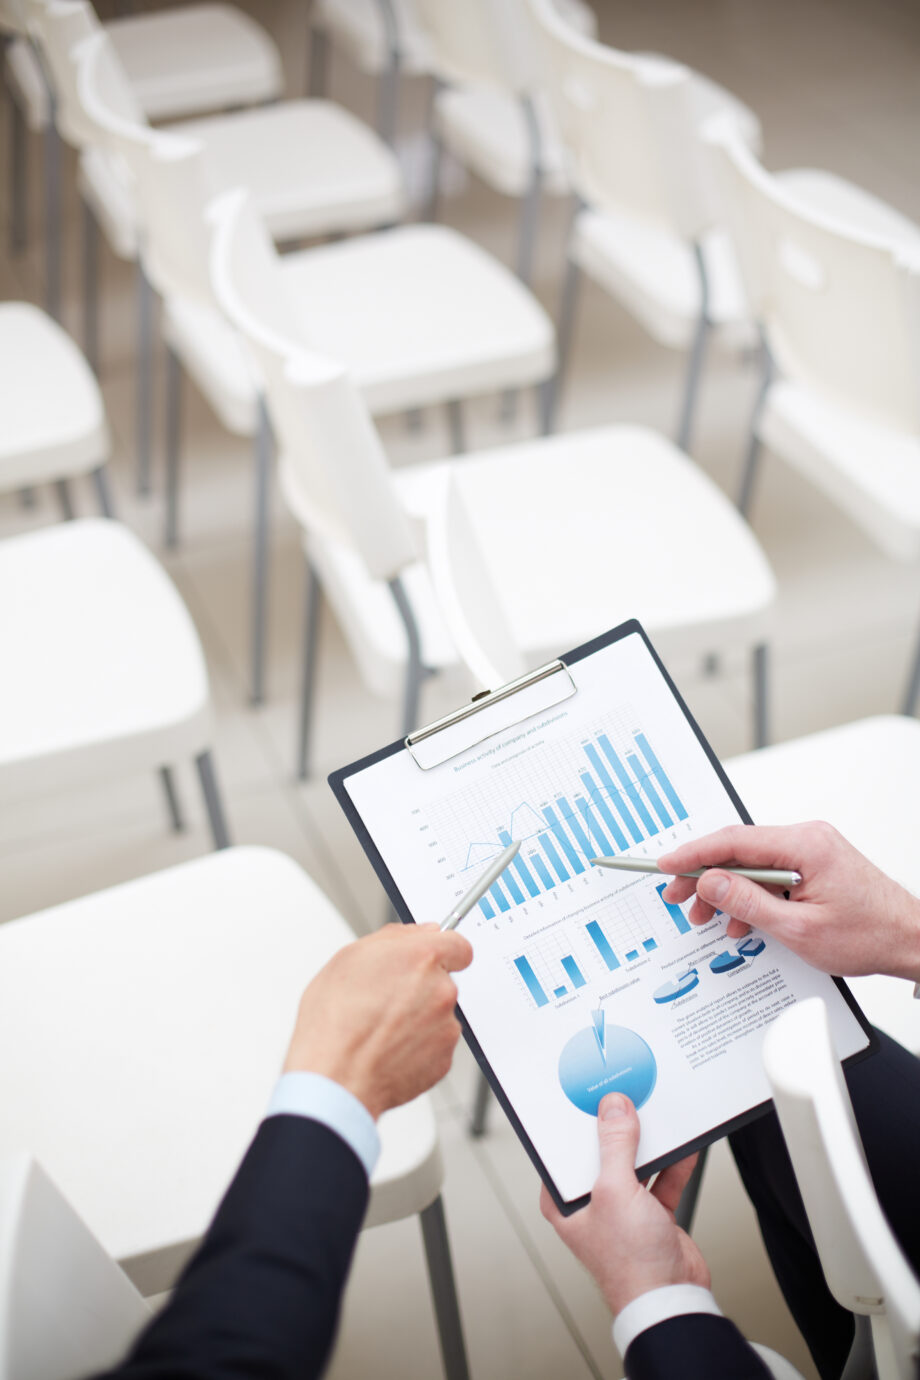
(615, 800)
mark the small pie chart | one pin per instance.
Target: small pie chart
(670, 991)
(604, 1059)
(726, 961)
(750, 946)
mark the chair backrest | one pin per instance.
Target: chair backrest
(467, 596)
(862, 1262)
(168, 173)
(481, 42)
(841, 310)
(66, 1308)
(630, 124)
(60, 27)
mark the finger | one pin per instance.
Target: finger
(700, 912)
(680, 889)
(454, 951)
(736, 929)
(618, 1135)
(549, 1209)
(749, 844)
(671, 1182)
(742, 899)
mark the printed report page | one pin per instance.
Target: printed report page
(585, 980)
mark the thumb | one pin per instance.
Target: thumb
(618, 1133)
(741, 898)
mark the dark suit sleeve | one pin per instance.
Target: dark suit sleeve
(694, 1346)
(261, 1296)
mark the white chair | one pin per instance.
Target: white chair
(141, 1059)
(312, 167)
(864, 1266)
(181, 62)
(419, 314)
(835, 281)
(860, 778)
(103, 672)
(40, 442)
(66, 1308)
(490, 109)
(648, 232)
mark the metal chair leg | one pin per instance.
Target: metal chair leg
(860, 1364)
(388, 85)
(913, 683)
(208, 778)
(104, 492)
(430, 202)
(697, 355)
(262, 455)
(52, 215)
(481, 1104)
(318, 61)
(752, 457)
(65, 499)
(173, 441)
(761, 669)
(171, 795)
(144, 365)
(308, 672)
(416, 671)
(19, 193)
(686, 1208)
(90, 287)
(564, 329)
(444, 1291)
(455, 422)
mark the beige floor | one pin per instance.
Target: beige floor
(836, 85)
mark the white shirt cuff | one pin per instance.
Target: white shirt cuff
(320, 1099)
(657, 1306)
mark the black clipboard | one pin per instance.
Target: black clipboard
(479, 716)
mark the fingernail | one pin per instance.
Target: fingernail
(713, 889)
(615, 1104)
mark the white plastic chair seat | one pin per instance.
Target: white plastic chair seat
(418, 315)
(53, 418)
(617, 547)
(144, 1028)
(861, 778)
(870, 471)
(183, 61)
(103, 672)
(652, 271)
(357, 27)
(311, 166)
(487, 131)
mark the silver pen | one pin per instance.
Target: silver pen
(767, 876)
(479, 889)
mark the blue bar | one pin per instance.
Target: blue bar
(571, 818)
(675, 912)
(628, 785)
(606, 813)
(596, 830)
(602, 945)
(658, 769)
(559, 991)
(596, 761)
(499, 897)
(571, 967)
(645, 781)
(530, 977)
(486, 909)
(546, 844)
(553, 821)
(539, 866)
(648, 945)
(633, 953)
(517, 894)
(520, 866)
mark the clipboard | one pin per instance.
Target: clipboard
(504, 725)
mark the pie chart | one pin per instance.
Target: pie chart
(670, 991)
(604, 1059)
(751, 946)
(726, 961)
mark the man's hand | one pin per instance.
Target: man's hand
(627, 1237)
(379, 1018)
(846, 917)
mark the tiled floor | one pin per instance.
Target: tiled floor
(836, 85)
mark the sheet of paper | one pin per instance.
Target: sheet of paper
(585, 981)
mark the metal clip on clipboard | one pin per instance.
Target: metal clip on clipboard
(491, 712)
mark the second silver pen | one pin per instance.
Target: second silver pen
(766, 876)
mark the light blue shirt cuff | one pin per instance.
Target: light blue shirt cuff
(319, 1098)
